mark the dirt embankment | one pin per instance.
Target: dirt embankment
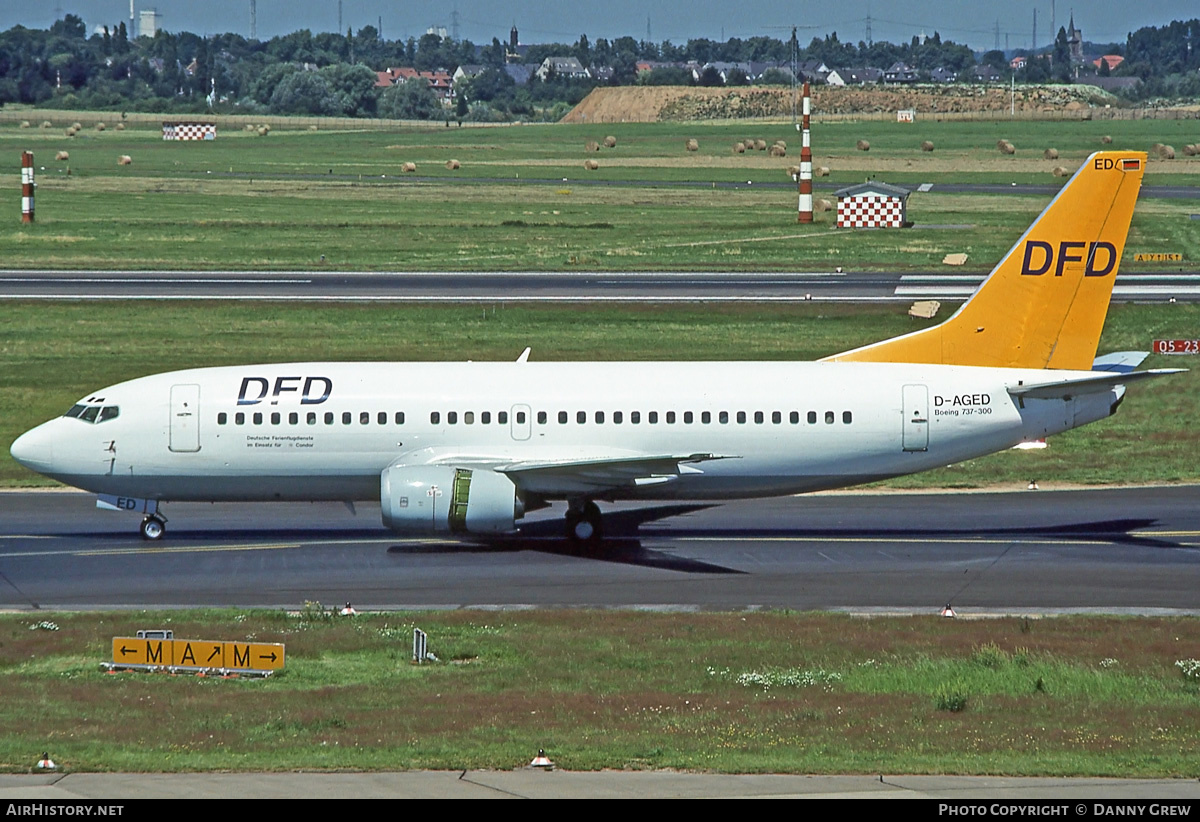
(644, 104)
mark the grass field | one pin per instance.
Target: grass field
(750, 692)
(54, 353)
(523, 201)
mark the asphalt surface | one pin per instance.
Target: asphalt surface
(555, 286)
(1115, 550)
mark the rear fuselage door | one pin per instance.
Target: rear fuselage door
(916, 418)
(185, 418)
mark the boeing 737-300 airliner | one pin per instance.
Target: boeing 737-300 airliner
(468, 448)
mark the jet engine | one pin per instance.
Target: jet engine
(435, 499)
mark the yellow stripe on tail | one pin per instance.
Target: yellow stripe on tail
(1044, 304)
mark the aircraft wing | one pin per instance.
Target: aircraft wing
(591, 476)
(1074, 386)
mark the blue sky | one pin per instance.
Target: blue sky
(973, 22)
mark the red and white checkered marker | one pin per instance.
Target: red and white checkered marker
(948, 611)
(870, 212)
(541, 760)
(46, 763)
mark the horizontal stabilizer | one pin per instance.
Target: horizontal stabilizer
(1073, 387)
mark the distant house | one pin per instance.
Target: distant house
(521, 73)
(985, 74)
(569, 67)
(1113, 61)
(854, 76)
(814, 71)
(441, 83)
(899, 72)
(1019, 62)
(943, 75)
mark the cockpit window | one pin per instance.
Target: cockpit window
(94, 413)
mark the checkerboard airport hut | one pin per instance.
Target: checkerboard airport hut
(189, 131)
(872, 205)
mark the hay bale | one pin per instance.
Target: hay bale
(312, 128)
(1005, 147)
(1106, 139)
(453, 165)
(100, 126)
(821, 204)
(760, 145)
(739, 148)
(1190, 150)
(250, 127)
(1166, 153)
(591, 165)
(821, 171)
(863, 145)
(1059, 171)
(47, 124)
(409, 168)
(926, 145)
(70, 132)
(592, 145)
(25, 124)
(124, 160)
(610, 142)
(120, 126)
(263, 131)
(793, 172)
(77, 126)
(267, 127)
(62, 155)
(692, 145)
(781, 143)
(777, 151)
(1050, 154)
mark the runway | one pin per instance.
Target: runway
(1114, 550)
(552, 286)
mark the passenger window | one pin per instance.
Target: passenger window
(329, 418)
(599, 417)
(520, 418)
(257, 418)
(794, 417)
(222, 418)
(312, 418)
(364, 417)
(741, 417)
(776, 417)
(758, 417)
(670, 418)
(399, 418)
(812, 417)
(829, 418)
(452, 417)
(846, 418)
(723, 417)
(293, 418)
(347, 417)
(275, 418)
(382, 417)
(239, 418)
(635, 417)
(687, 417)
(581, 417)
(541, 417)
(652, 417)
(435, 417)
(618, 417)
(468, 418)
(706, 417)
(562, 417)
(502, 417)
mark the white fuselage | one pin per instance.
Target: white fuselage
(326, 431)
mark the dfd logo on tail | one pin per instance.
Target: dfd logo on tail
(1041, 255)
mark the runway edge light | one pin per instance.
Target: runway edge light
(541, 760)
(46, 763)
(948, 611)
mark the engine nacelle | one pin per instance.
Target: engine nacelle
(434, 499)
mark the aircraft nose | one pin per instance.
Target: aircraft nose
(34, 449)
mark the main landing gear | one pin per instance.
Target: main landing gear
(153, 527)
(584, 523)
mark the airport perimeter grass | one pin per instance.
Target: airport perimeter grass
(51, 354)
(753, 692)
(301, 200)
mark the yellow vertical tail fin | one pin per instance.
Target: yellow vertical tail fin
(1044, 304)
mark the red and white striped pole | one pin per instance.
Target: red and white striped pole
(27, 186)
(806, 200)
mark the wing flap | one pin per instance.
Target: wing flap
(584, 476)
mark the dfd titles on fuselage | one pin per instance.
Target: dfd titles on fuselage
(284, 385)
